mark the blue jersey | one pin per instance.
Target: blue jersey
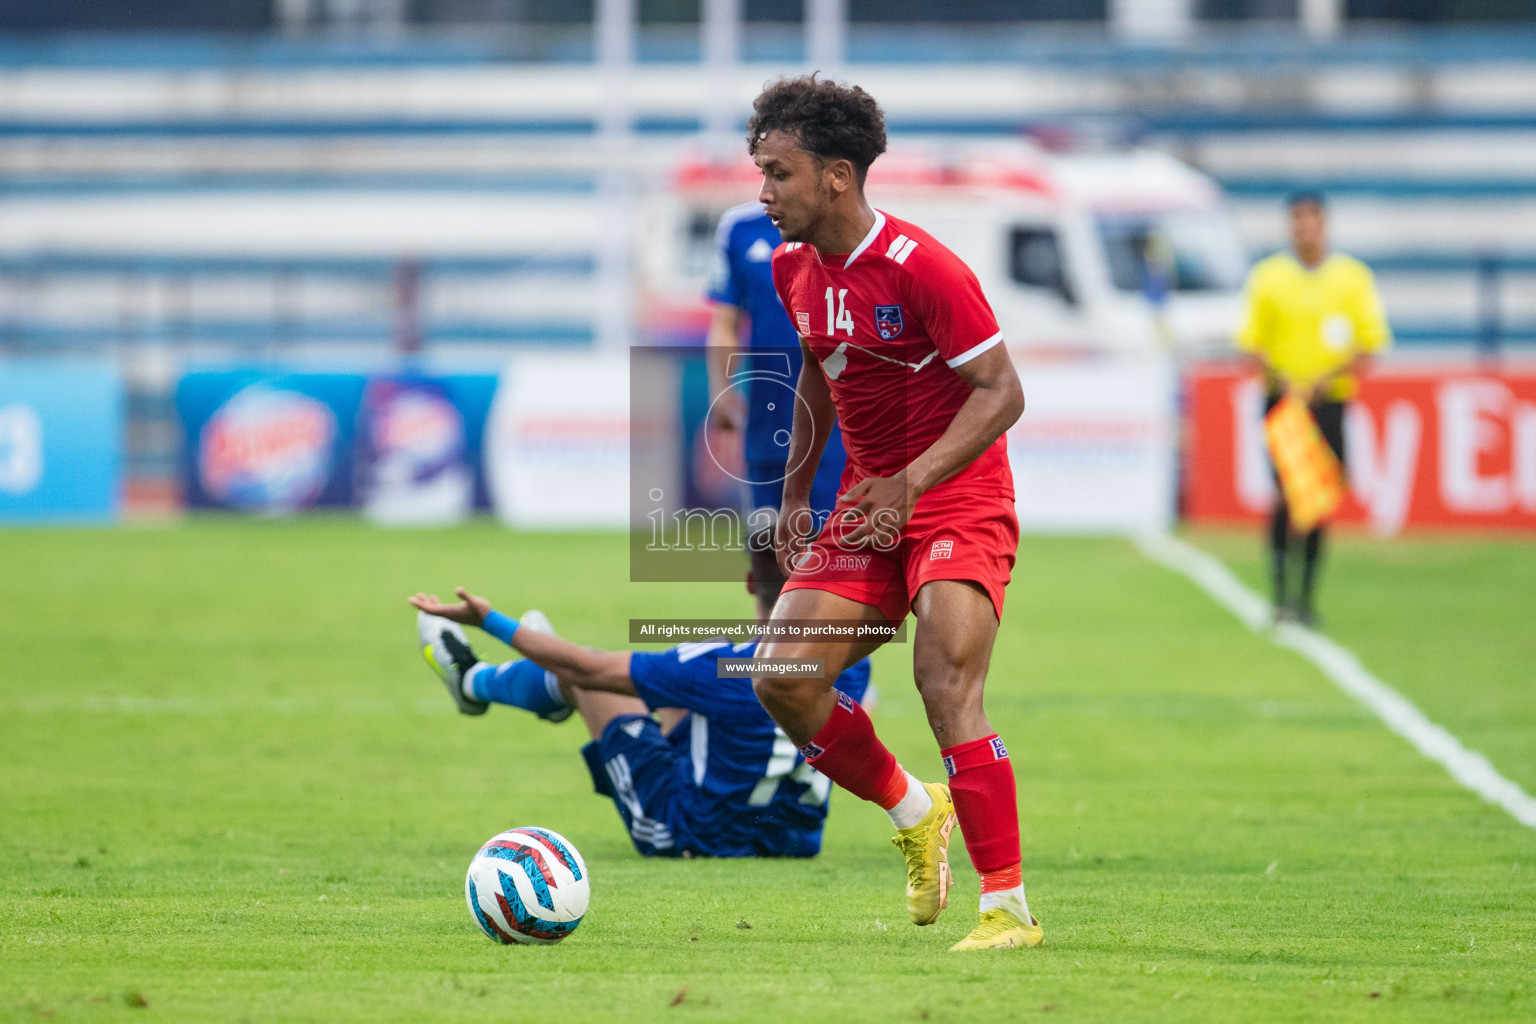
(745, 789)
(742, 276)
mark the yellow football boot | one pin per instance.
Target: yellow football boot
(926, 847)
(999, 929)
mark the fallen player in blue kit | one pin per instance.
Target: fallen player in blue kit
(692, 761)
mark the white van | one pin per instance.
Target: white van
(1078, 251)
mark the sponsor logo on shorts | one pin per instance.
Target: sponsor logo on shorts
(949, 767)
(803, 321)
(999, 752)
(811, 751)
(941, 549)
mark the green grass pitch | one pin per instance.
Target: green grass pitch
(229, 790)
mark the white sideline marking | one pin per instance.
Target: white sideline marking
(1339, 664)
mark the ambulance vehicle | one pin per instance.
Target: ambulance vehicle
(1105, 252)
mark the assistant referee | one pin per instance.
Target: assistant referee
(1313, 321)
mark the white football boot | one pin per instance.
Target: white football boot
(447, 651)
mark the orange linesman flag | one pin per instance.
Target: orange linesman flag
(1310, 475)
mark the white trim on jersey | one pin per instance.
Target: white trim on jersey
(975, 350)
(901, 248)
(641, 825)
(842, 350)
(687, 652)
(869, 239)
(698, 742)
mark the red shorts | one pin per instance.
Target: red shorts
(964, 529)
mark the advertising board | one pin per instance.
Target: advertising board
(61, 423)
(1094, 450)
(557, 448)
(404, 448)
(1453, 448)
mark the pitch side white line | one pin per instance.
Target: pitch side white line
(1467, 767)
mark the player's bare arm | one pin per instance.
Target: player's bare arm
(724, 338)
(995, 404)
(814, 416)
(586, 668)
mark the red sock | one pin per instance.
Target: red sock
(986, 803)
(1001, 881)
(848, 752)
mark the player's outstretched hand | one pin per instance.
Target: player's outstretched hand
(883, 505)
(471, 609)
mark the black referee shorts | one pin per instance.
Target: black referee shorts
(1330, 421)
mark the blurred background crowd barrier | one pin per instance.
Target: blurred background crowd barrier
(391, 254)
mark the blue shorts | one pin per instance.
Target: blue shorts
(770, 492)
(635, 765)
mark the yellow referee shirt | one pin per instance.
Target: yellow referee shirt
(1307, 324)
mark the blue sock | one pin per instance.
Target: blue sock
(521, 684)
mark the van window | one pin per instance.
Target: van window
(1034, 260)
(1182, 251)
(699, 240)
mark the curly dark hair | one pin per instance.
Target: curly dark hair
(832, 121)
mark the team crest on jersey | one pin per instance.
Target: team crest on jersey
(888, 322)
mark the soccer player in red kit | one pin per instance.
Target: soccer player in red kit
(902, 348)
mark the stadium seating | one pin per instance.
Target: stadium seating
(113, 158)
(326, 196)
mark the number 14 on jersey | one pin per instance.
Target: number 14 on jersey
(838, 317)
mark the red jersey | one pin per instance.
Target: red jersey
(888, 323)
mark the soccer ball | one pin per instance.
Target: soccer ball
(527, 885)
